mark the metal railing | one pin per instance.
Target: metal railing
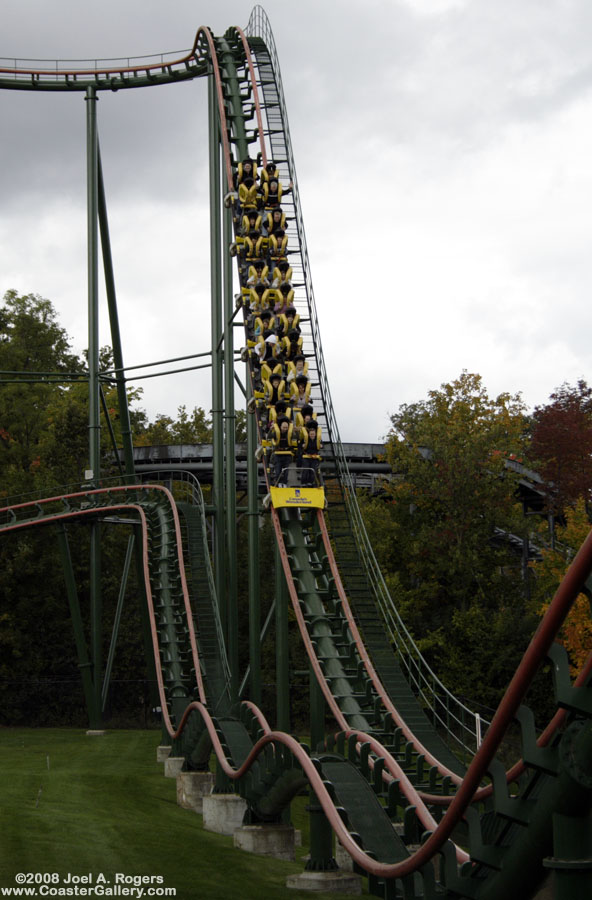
(52, 66)
(114, 72)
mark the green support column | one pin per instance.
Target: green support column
(232, 96)
(321, 833)
(572, 860)
(126, 428)
(94, 407)
(321, 839)
(230, 435)
(117, 622)
(253, 530)
(124, 417)
(235, 109)
(84, 663)
(217, 362)
(282, 648)
(572, 819)
(317, 712)
(96, 618)
(145, 620)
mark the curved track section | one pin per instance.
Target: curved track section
(386, 763)
(306, 572)
(342, 698)
(331, 775)
(174, 640)
(360, 572)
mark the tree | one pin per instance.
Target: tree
(562, 444)
(44, 444)
(576, 634)
(194, 428)
(448, 506)
(453, 489)
(31, 338)
(31, 342)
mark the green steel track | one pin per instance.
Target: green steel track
(389, 761)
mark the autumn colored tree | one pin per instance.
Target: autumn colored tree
(576, 634)
(561, 447)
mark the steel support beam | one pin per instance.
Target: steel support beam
(124, 417)
(84, 662)
(117, 622)
(94, 407)
(254, 576)
(217, 360)
(282, 647)
(230, 444)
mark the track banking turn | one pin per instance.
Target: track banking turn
(390, 759)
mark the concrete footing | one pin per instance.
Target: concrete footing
(223, 813)
(343, 859)
(547, 889)
(95, 732)
(266, 840)
(162, 753)
(173, 766)
(331, 882)
(413, 848)
(192, 787)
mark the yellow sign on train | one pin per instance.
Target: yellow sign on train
(298, 496)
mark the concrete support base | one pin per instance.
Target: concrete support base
(162, 753)
(547, 889)
(192, 787)
(95, 732)
(223, 813)
(173, 766)
(266, 840)
(329, 882)
(343, 859)
(412, 848)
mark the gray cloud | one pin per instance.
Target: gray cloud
(442, 150)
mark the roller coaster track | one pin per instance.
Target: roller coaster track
(388, 762)
(289, 763)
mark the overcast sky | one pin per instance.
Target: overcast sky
(443, 154)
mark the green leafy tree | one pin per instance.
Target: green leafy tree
(187, 428)
(44, 443)
(440, 532)
(194, 428)
(32, 346)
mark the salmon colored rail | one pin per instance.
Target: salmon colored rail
(72, 514)
(377, 684)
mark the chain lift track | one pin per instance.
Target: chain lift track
(390, 760)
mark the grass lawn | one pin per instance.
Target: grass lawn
(70, 803)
